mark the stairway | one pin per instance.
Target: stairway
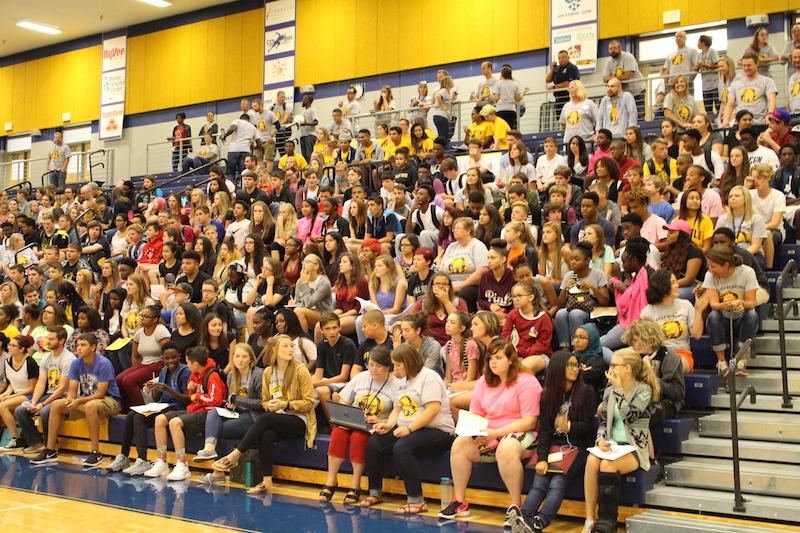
(769, 443)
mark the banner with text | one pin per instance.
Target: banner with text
(574, 28)
(112, 89)
(279, 50)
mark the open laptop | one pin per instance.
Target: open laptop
(348, 416)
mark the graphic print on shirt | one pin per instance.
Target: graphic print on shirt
(409, 404)
(459, 265)
(748, 95)
(53, 378)
(573, 118)
(371, 404)
(673, 329)
(88, 384)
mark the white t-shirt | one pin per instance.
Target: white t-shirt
(375, 397)
(674, 320)
(765, 155)
(716, 161)
(427, 217)
(149, 346)
(545, 167)
(743, 230)
(775, 202)
(733, 287)
(424, 388)
(243, 137)
(239, 231)
(56, 368)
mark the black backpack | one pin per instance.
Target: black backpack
(419, 226)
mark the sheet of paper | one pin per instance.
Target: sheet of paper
(226, 413)
(119, 344)
(471, 425)
(150, 408)
(616, 451)
(156, 291)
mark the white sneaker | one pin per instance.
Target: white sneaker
(159, 468)
(722, 368)
(139, 467)
(180, 472)
(120, 462)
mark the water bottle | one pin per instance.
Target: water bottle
(248, 474)
(446, 491)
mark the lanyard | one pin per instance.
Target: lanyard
(375, 396)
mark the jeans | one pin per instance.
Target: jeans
(235, 163)
(549, 489)
(193, 162)
(230, 428)
(566, 324)
(718, 327)
(711, 101)
(266, 431)
(613, 339)
(404, 451)
(442, 127)
(686, 293)
(28, 428)
(58, 179)
(179, 155)
(307, 145)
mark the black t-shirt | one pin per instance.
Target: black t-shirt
(362, 356)
(220, 356)
(416, 286)
(332, 358)
(695, 253)
(197, 285)
(252, 197)
(185, 342)
(163, 270)
(252, 340)
(283, 291)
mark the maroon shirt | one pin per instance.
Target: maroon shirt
(491, 291)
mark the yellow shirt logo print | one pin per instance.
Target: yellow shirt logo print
(748, 95)
(684, 111)
(614, 114)
(673, 329)
(573, 118)
(408, 407)
(795, 88)
(618, 72)
(677, 59)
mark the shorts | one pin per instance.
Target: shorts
(193, 423)
(687, 356)
(269, 151)
(528, 439)
(107, 407)
(777, 237)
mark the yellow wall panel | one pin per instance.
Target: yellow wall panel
(700, 12)
(615, 16)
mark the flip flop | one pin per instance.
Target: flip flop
(258, 489)
(326, 493)
(370, 501)
(224, 464)
(412, 508)
(352, 497)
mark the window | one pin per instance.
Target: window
(19, 148)
(78, 166)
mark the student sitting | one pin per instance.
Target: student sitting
(420, 423)
(494, 288)
(591, 356)
(335, 357)
(532, 325)
(21, 376)
(629, 290)
(566, 418)
(93, 394)
(462, 359)
(374, 391)
(206, 390)
(624, 419)
(287, 396)
(409, 330)
(170, 389)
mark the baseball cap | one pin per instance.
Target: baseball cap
(781, 114)
(679, 225)
(182, 287)
(345, 136)
(238, 266)
(487, 110)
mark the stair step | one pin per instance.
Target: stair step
(771, 324)
(769, 343)
(717, 474)
(764, 402)
(776, 427)
(769, 381)
(754, 450)
(657, 521)
(721, 502)
(772, 362)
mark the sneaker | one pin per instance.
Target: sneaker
(511, 516)
(46, 457)
(537, 524)
(722, 368)
(15, 444)
(120, 462)
(35, 448)
(456, 508)
(93, 460)
(588, 525)
(140, 466)
(180, 472)
(211, 479)
(520, 525)
(204, 455)
(159, 468)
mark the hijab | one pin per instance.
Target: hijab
(594, 348)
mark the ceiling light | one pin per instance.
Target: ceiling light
(157, 3)
(36, 26)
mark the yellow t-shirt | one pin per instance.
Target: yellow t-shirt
(11, 331)
(427, 145)
(480, 131)
(661, 171)
(499, 129)
(390, 148)
(701, 229)
(302, 164)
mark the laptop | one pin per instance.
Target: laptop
(348, 416)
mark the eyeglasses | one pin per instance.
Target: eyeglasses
(580, 337)
(574, 366)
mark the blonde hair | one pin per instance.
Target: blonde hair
(271, 367)
(375, 282)
(648, 333)
(641, 372)
(580, 90)
(314, 258)
(675, 83)
(524, 232)
(762, 169)
(731, 70)
(142, 291)
(84, 279)
(446, 83)
(235, 375)
(748, 204)
(545, 253)
(221, 211)
(14, 292)
(288, 226)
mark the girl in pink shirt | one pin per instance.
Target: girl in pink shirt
(532, 325)
(309, 228)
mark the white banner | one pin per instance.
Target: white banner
(580, 42)
(279, 50)
(568, 12)
(112, 87)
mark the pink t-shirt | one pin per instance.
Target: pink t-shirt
(458, 372)
(305, 230)
(505, 404)
(653, 229)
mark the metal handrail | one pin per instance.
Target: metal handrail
(54, 171)
(789, 272)
(85, 211)
(183, 175)
(20, 185)
(736, 402)
(98, 164)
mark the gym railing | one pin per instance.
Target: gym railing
(26, 247)
(83, 168)
(735, 404)
(371, 119)
(788, 274)
(20, 185)
(179, 177)
(160, 154)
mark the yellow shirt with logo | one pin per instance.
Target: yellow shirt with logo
(499, 129)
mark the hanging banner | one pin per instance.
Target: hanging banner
(279, 50)
(112, 87)
(574, 28)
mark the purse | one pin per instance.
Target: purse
(583, 300)
(559, 459)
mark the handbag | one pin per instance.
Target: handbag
(560, 459)
(578, 299)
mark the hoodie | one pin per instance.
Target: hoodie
(213, 395)
(151, 250)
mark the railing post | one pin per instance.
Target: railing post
(789, 270)
(738, 499)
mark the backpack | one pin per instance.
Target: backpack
(420, 226)
(709, 162)
(651, 166)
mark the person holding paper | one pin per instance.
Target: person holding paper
(624, 424)
(508, 397)
(419, 424)
(169, 389)
(566, 427)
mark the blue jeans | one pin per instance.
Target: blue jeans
(442, 127)
(179, 155)
(28, 429)
(686, 293)
(613, 339)
(230, 428)
(193, 162)
(718, 327)
(236, 163)
(548, 489)
(58, 180)
(566, 324)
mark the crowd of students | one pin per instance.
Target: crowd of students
(535, 294)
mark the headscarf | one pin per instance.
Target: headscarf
(594, 348)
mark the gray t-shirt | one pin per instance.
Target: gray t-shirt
(264, 123)
(242, 138)
(709, 78)
(461, 261)
(149, 346)
(56, 368)
(424, 388)
(767, 51)
(437, 111)
(507, 91)
(751, 94)
(579, 119)
(485, 90)
(744, 230)
(351, 108)
(684, 108)
(58, 154)
(680, 61)
(794, 92)
(733, 287)
(596, 277)
(625, 62)
(307, 127)
(375, 397)
(674, 320)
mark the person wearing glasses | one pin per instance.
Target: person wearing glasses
(146, 356)
(624, 420)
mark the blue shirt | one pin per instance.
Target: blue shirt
(176, 380)
(379, 227)
(662, 209)
(88, 376)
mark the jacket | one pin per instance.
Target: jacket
(581, 426)
(491, 291)
(635, 412)
(669, 370)
(535, 336)
(213, 395)
(300, 396)
(251, 402)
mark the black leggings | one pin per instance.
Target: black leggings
(405, 450)
(510, 117)
(266, 431)
(136, 426)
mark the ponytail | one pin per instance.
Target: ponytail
(642, 372)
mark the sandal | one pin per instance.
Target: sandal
(370, 501)
(224, 464)
(412, 508)
(352, 497)
(258, 489)
(326, 493)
